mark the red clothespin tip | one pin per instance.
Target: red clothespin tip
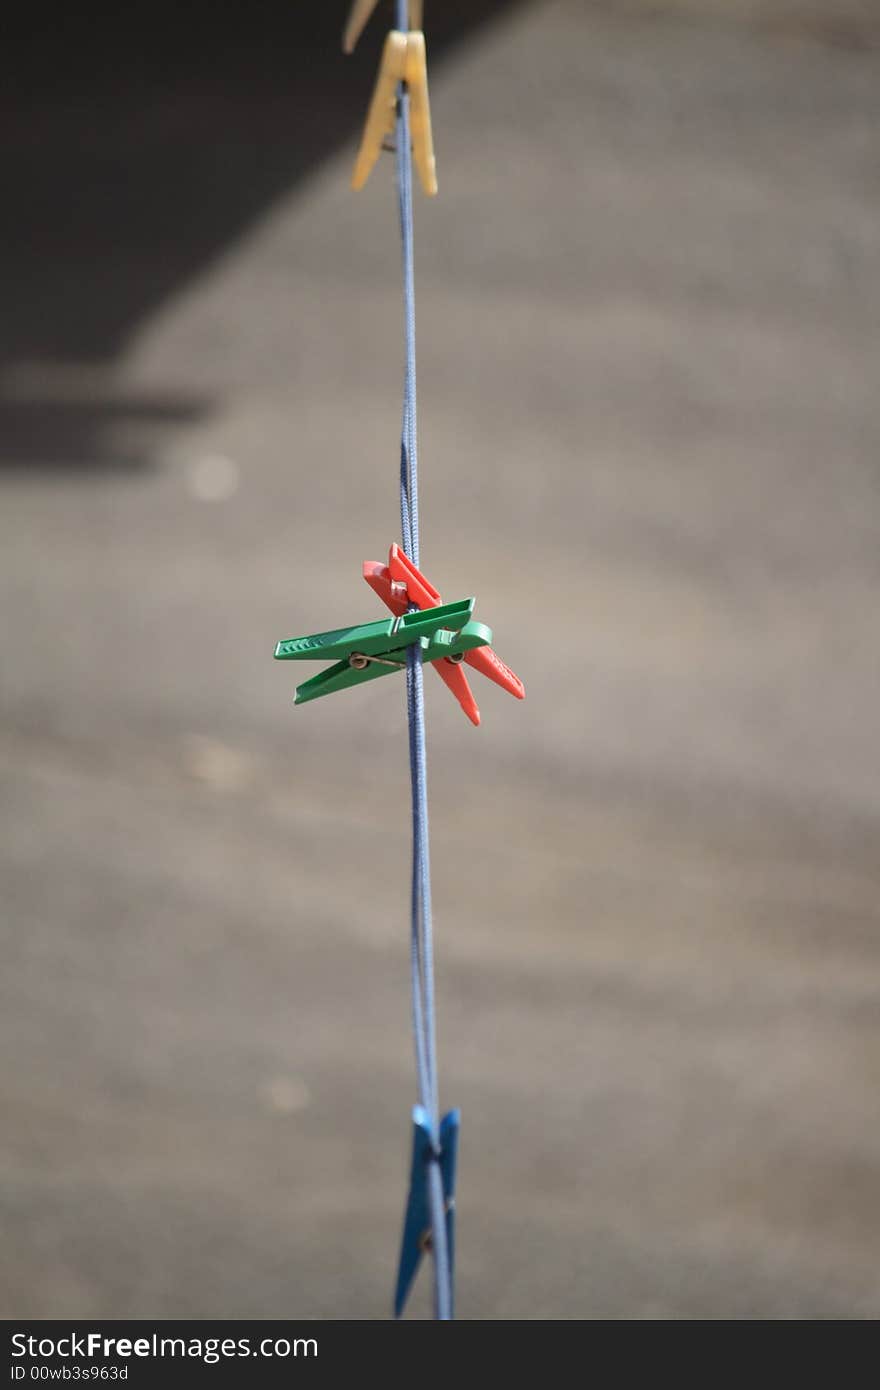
(419, 590)
(454, 677)
(391, 591)
(399, 584)
(495, 669)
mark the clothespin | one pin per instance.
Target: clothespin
(371, 650)
(403, 60)
(400, 584)
(360, 13)
(417, 1222)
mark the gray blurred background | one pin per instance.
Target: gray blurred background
(649, 301)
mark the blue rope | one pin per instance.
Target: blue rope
(421, 939)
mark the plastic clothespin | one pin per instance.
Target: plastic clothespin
(370, 650)
(400, 584)
(417, 1222)
(403, 60)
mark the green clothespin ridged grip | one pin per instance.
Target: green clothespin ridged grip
(370, 650)
(374, 638)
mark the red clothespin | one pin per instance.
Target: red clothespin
(399, 584)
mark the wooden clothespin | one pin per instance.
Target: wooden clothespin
(403, 60)
(360, 13)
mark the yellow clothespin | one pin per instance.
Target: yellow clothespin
(403, 60)
(360, 13)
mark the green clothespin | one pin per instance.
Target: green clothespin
(371, 650)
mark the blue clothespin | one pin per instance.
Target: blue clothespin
(417, 1222)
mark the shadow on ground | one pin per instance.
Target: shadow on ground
(134, 150)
